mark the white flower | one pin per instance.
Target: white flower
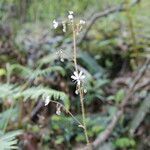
(82, 22)
(55, 24)
(70, 16)
(78, 77)
(47, 100)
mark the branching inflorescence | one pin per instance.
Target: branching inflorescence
(77, 76)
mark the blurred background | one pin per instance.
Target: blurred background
(112, 47)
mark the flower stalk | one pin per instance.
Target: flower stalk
(78, 75)
(79, 86)
(74, 49)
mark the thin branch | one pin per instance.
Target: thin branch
(105, 13)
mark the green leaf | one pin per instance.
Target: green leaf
(8, 140)
(5, 115)
(59, 139)
(2, 72)
(15, 92)
(119, 96)
(33, 74)
(125, 142)
(91, 64)
(36, 92)
(80, 138)
(140, 114)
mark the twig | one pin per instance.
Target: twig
(140, 115)
(105, 13)
(107, 132)
(135, 81)
(143, 85)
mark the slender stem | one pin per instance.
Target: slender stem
(74, 49)
(80, 87)
(83, 114)
(67, 111)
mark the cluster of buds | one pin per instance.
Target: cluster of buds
(60, 54)
(70, 16)
(70, 20)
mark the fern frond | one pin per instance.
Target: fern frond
(8, 90)
(36, 92)
(5, 115)
(32, 74)
(36, 73)
(8, 140)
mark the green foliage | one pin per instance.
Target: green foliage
(8, 140)
(88, 62)
(118, 97)
(6, 115)
(49, 9)
(16, 92)
(108, 43)
(125, 142)
(95, 130)
(33, 74)
(7, 90)
(80, 138)
(95, 89)
(65, 128)
(140, 114)
(59, 139)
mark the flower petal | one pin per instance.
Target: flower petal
(74, 77)
(80, 73)
(76, 74)
(82, 77)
